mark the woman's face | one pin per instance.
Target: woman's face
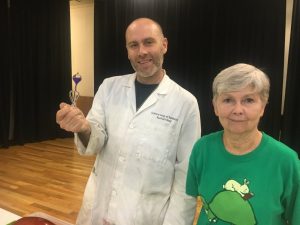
(239, 112)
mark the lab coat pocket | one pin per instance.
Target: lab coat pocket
(156, 146)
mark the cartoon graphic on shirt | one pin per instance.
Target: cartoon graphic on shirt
(231, 204)
(232, 185)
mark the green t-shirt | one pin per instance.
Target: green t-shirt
(261, 187)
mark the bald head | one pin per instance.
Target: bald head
(144, 23)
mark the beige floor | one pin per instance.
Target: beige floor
(47, 177)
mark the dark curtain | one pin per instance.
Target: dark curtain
(39, 67)
(291, 119)
(204, 36)
(4, 74)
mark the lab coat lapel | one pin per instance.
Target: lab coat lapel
(130, 92)
(149, 101)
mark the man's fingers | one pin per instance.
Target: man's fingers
(70, 118)
(63, 104)
(64, 110)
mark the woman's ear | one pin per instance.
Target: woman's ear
(215, 107)
(262, 110)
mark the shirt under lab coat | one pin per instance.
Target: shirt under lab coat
(142, 156)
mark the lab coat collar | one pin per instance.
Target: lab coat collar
(162, 88)
(159, 92)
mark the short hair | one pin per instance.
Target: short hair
(240, 76)
(149, 20)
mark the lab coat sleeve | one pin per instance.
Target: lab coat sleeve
(96, 118)
(182, 207)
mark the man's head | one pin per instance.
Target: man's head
(146, 46)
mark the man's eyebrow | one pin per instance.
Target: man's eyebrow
(145, 39)
(131, 42)
(149, 39)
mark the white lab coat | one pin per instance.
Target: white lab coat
(142, 156)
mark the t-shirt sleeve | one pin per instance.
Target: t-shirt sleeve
(293, 200)
(192, 180)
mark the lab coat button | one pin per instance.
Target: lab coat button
(138, 155)
(122, 159)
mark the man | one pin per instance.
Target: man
(142, 126)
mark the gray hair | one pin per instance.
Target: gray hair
(240, 76)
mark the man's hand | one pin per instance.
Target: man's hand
(72, 119)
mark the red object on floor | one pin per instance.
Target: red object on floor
(33, 220)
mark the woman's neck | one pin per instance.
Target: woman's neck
(241, 144)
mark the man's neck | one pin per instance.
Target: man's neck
(154, 79)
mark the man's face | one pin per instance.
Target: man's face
(146, 47)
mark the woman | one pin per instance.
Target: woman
(242, 175)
